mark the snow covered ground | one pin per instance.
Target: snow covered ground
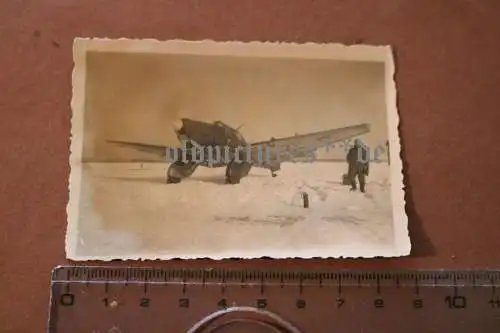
(127, 211)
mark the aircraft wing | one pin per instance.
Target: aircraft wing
(168, 153)
(289, 148)
(157, 150)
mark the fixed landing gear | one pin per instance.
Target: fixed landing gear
(235, 171)
(273, 167)
(231, 175)
(173, 180)
(180, 170)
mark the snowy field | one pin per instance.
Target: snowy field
(127, 211)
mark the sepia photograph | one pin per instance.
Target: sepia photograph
(205, 149)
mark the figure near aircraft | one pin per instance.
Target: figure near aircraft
(232, 150)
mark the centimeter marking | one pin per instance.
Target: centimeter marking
(472, 291)
(262, 277)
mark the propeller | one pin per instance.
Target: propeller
(178, 126)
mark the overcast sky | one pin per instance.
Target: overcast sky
(136, 97)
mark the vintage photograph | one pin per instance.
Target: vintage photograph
(204, 149)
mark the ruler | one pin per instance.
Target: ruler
(110, 299)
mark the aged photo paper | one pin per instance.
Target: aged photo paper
(204, 149)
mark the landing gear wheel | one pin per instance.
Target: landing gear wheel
(231, 178)
(232, 182)
(180, 170)
(172, 180)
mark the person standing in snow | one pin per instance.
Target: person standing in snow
(358, 166)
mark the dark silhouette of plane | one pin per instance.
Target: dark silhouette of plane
(217, 145)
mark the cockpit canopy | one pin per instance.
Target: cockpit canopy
(232, 132)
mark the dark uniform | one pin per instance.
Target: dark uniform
(358, 161)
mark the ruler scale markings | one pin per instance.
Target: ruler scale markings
(223, 283)
(301, 285)
(466, 298)
(102, 272)
(242, 281)
(98, 273)
(147, 277)
(164, 278)
(250, 275)
(436, 282)
(86, 277)
(455, 287)
(489, 277)
(339, 288)
(184, 284)
(68, 276)
(262, 277)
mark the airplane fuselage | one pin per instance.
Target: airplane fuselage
(215, 134)
(210, 145)
(217, 145)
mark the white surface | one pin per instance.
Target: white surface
(127, 211)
